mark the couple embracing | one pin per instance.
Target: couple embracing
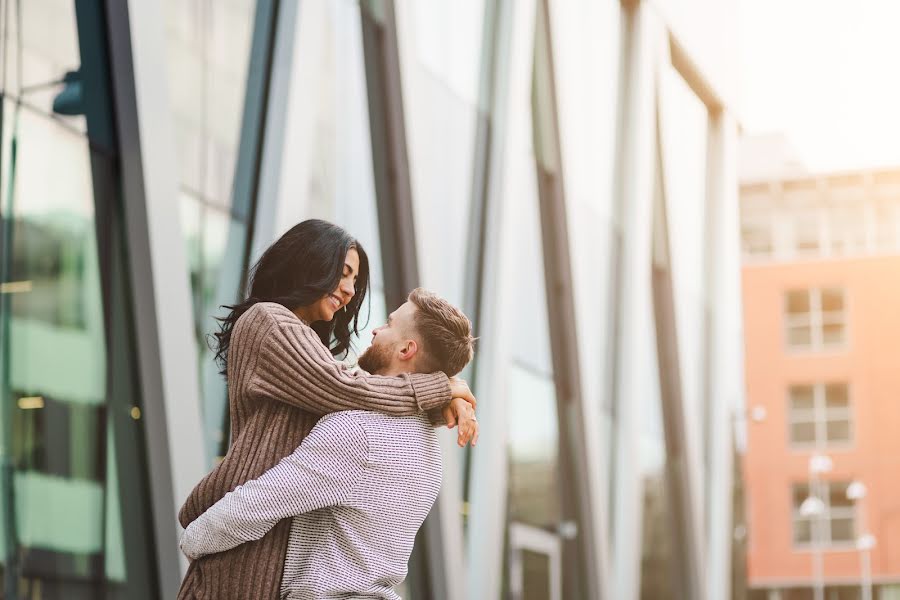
(331, 470)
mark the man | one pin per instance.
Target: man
(361, 484)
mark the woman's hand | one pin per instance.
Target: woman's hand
(460, 412)
(460, 389)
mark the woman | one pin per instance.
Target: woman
(305, 296)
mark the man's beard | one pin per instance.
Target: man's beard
(375, 359)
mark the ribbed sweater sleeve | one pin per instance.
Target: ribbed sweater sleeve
(293, 366)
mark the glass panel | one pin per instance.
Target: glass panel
(800, 335)
(832, 300)
(806, 233)
(802, 531)
(658, 566)
(340, 184)
(802, 397)
(838, 431)
(836, 395)
(56, 432)
(208, 51)
(797, 302)
(440, 45)
(533, 441)
(800, 492)
(837, 495)
(535, 576)
(803, 433)
(842, 530)
(833, 334)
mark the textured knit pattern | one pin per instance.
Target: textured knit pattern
(359, 488)
(281, 379)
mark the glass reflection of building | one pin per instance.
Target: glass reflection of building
(520, 158)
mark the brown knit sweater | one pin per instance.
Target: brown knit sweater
(281, 379)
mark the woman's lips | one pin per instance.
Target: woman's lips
(335, 301)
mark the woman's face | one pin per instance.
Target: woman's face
(325, 308)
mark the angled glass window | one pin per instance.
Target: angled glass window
(208, 50)
(59, 426)
(338, 178)
(440, 62)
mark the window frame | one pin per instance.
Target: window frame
(816, 319)
(823, 492)
(820, 416)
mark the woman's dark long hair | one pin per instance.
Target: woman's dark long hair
(301, 267)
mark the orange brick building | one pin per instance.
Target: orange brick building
(821, 281)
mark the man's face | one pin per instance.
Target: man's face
(391, 342)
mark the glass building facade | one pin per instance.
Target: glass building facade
(563, 170)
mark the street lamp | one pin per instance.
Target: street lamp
(814, 508)
(856, 492)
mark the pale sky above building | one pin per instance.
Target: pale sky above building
(826, 73)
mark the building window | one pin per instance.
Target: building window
(756, 235)
(816, 319)
(807, 233)
(820, 415)
(836, 524)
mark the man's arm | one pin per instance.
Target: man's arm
(321, 472)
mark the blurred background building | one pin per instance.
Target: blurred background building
(821, 257)
(564, 170)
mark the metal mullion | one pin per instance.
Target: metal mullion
(584, 555)
(435, 571)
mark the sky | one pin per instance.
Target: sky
(826, 73)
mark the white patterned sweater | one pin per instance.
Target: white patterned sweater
(358, 489)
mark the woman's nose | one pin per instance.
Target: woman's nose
(347, 289)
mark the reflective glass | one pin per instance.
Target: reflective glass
(803, 433)
(208, 51)
(533, 430)
(802, 397)
(60, 469)
(657, 544)
(798, 302)
(339, 183)
(800, 336)
(440, 60)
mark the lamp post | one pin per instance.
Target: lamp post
(856, 492)
(814, 508)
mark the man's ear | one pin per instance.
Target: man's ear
(408, 350)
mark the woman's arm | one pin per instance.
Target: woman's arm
(293, 366)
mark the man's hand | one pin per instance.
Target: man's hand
(460, 412)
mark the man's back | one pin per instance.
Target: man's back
(360, 487)
(364, 544)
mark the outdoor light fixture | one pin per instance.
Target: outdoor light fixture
(856, 490)
(812, 507)
(70, 101)
(820, 463)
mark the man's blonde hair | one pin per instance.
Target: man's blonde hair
(446, 333)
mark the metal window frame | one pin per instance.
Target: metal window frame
(585, 563)
(436, 563)
(161, 300)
